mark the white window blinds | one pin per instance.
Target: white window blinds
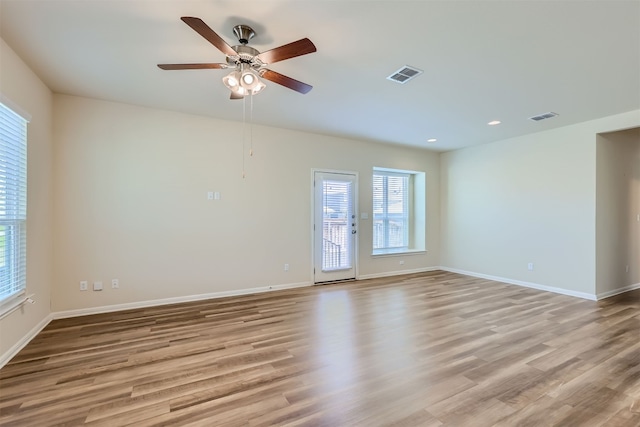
(390, 210)
(13, 204)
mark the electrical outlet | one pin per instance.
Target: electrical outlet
(115, 284)
(530, 266)
(286, 267)
(401, 262)
(84, 285)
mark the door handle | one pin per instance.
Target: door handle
(353, 231)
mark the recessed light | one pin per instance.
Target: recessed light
(494, 122)
(431, 140)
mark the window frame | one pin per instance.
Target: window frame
(13, 205)
(414, 218)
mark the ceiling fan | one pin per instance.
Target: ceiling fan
(248, 64)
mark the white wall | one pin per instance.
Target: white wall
(24, 89)
(617, 210)
(526, 199)
(131, 185)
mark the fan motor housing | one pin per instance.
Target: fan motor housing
(245, 54)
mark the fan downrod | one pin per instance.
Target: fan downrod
(243, 33)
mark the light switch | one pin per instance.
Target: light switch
(216, 195)
(364, 215)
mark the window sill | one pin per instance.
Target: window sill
(380, 254)
(12, 303)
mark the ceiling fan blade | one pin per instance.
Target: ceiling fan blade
(287, 51)
(285, 81)
(215, 66)
(205, 31)
(235, 96)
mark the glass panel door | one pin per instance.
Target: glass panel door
(334, 226)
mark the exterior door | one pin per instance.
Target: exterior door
(334, 226)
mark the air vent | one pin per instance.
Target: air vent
(404, 74)
(543, 116)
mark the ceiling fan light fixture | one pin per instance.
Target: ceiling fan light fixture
(244, 81)
(258, 88)
(232, 80)
(248, 79)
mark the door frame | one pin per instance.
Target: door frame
(312, 220)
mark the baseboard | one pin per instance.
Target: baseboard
(618, 291)
(9, 354)
(555, 290)
(175, 300)
(396, 273)
(189, 298)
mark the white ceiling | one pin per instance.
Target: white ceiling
(482, 60)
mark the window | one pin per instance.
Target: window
(390, 210)
(13, 205)
(398, 211)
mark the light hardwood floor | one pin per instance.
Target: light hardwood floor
(426, 349)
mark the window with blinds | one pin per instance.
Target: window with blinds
(13, 205)
(390, 211)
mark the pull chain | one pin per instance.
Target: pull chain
(244, 125)
(251, 127)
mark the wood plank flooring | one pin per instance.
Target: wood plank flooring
(429, 349)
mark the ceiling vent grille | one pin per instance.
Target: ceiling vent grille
(405, 74)
(543, 116)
